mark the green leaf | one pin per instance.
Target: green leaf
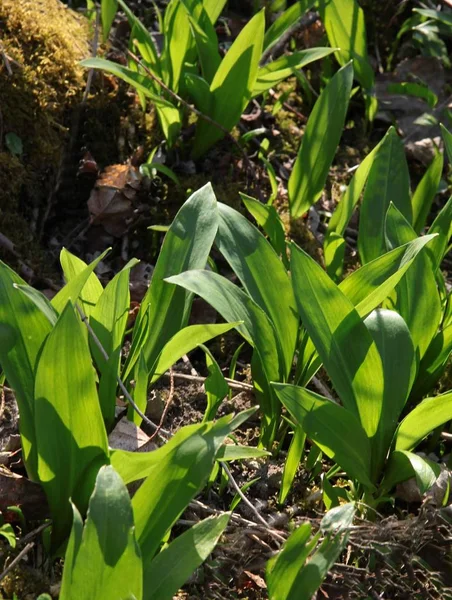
(318, 146)
(213, 9)
(447, 137)
(343, 213)
(343, 342)
(403, 465)
(293, 459)
(70, 434)
(263, 276)
(14, 143)
(233, 83)
(40, 301)
(388, 181)
(285, 20)
(426, 191)
(442, 225)
(142, 39)
(274, 72)
(79, 276)
(329, 426)
(334, 252)
(394, 343)
(346, 29)
(433, 363)
(178, 476)
(229, 452)
(183, 342)
(215, 386)
(178, 37)
(186, 246)
(171, 568)
(108, 549)
(417, 295)
(207, 46)
(267, 218)
(108, 10)
(422, 420)
(7, 532)
(417, 90)
(23, 329)
(199, 90)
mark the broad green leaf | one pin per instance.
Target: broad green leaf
(442, 225)
(198, 89)
(274, 72)
(334, 252)
(388, 180)
(183, 342)
(394, 343)
(422, 420)
(403, 465)
(213, 9)
(318, 146)
(107, 562)
(186, 246)
(23, 329)
(447, 137)
(142, 39)
(233, 83)
(344, 210)
(171, 568)
(215, 386)
(417, 90)
(207, 46)
(433, 363)
(267, 218)
(178, 37)
(426, 191)
(285, 20)
(70, 434)
(108, 10)
(293, 459)
(79, 275)
(40, 300)
(263, 276)
(234, 305)
(417, 295)
(343, 342)
(72, 549)
(346, 29)
(177, 477)
(369, 285)
(329, 426)
(109, 317)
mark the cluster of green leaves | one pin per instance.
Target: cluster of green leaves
(191, 66)
(67, 408)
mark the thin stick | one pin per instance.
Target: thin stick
(303, 23)
(18, 558)
(161, 432)
(33, 533)
(192, 108)
(89, 79)
(250, 505)
(233, 384)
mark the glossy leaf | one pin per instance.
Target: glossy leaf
(186, 246)
(183, 342)
(343, 342)
(108, 548)
(426, 191)
(318, 146)
(433, 363)
(388, 180)
(442, 225)
(293, 459)
(215, 386)
(70, 433)
(285, 20)
(171, 568)
(403, 465)
(23, 329)
(417, 296)
(447, 137)
(233, 83)
(422, 420)
(108, 10)
(178, 476)
(346, 29)
(263, 276)
(395, 346)
(267, 218)
(329, 426)
(276, 71)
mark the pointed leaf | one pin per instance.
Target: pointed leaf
(318, 146)
(426, 191)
